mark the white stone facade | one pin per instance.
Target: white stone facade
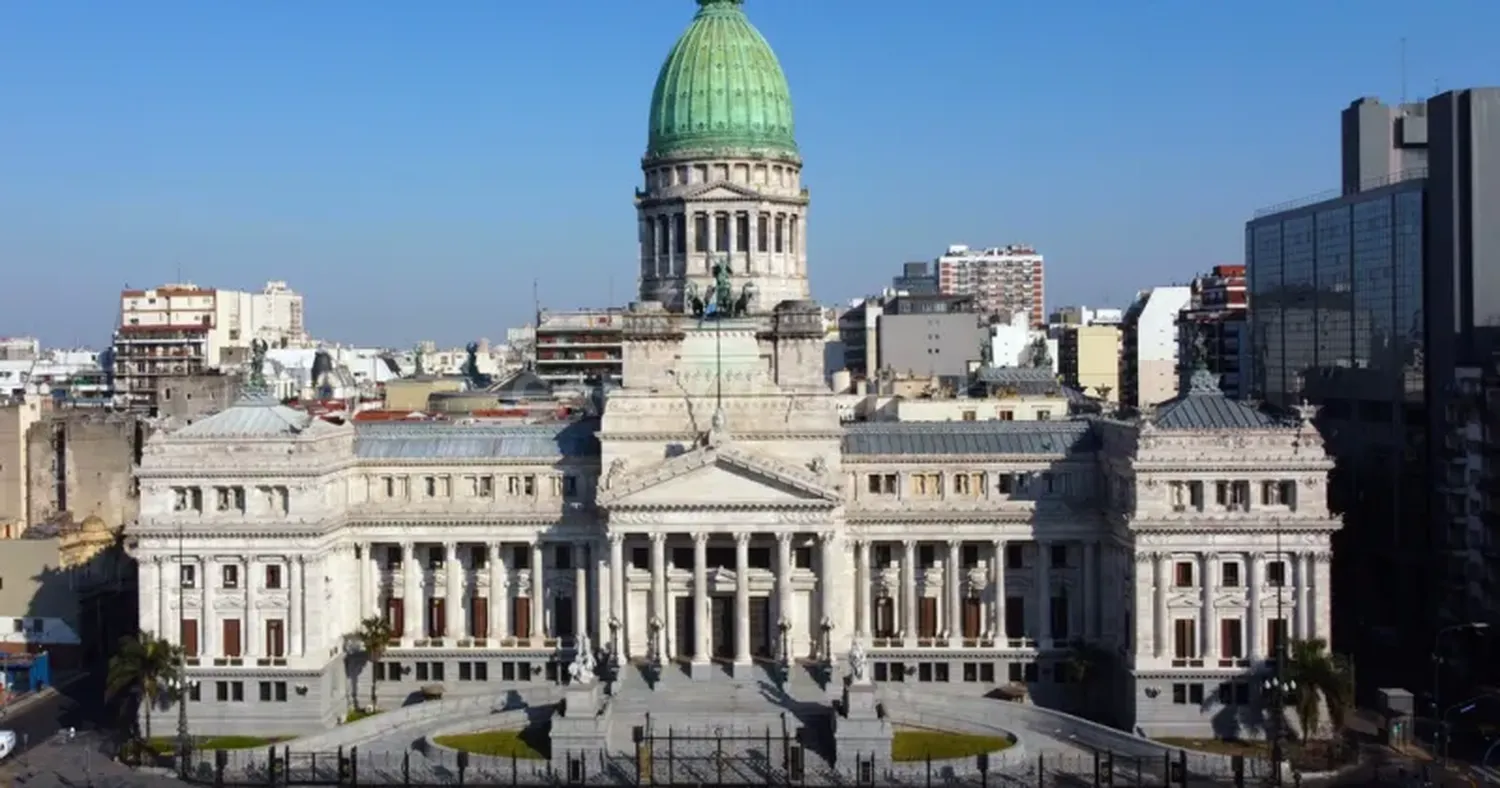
(635, 527)
(694, 212)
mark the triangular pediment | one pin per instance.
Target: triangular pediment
(722, 191)
(719, 477)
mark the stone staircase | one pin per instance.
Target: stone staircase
(746, 706)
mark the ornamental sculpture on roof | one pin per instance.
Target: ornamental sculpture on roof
(256, 381)
(719, 301)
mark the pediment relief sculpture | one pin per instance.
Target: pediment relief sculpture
(718, 474)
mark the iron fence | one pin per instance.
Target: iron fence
(768, 761)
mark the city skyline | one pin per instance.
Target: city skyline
(345, 171)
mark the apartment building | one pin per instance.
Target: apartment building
(1002, 280)
(1214, 322)
(579, 345)
(184, 329)
(1150, 360)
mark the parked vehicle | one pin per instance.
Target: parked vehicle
(8, 743)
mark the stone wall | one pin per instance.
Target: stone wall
(82, 463)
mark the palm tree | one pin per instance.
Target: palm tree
(374, 636)
(145, 666)
(1319, 678)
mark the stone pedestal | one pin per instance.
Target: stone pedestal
(859, 734)
(582, 729)
(742, 670)
(701, 671)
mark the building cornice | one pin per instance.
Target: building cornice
(930, 460)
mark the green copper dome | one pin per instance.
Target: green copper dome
(721, 91)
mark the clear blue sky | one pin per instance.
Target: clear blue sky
(412, 166)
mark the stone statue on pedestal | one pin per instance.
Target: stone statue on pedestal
(857, 664)
(582, 669)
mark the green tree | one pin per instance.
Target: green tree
(1319, 679)
(374, 637)
(144, 666)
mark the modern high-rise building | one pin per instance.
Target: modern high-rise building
(916, 279)
(1088, 359)
(1214, 324)
(1004, 280)
(1366, 304)
(183, 329)
(1150, 360)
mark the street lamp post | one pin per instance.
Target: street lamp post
(785, 628)
(616, 658)
(655, 657)
(181, 687)
(1277, 687)
(1437, 669)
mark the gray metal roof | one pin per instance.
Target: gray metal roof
(251, 416)
(1027, 381)
(969, 437)
(1204, 407)
(440, 440)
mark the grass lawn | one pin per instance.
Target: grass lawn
(1314, 756)
(529, 744)
(355, 715)
(911, 744)
(167, 745)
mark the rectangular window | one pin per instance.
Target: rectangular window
(1014, 558)
(1231, 638)
(679, 233)
(273, 576)
(188, 576)
(232, 645)
(230, 576)
(742, 232)
(1185, 638)
(1059, 556)
(762, 232)
(721, 232)
(1182, 574)
(275, 638)
(189, 637)
(780, 233)
(700, 232)
(1276, 574)
(1275, 635)
(1230, 574)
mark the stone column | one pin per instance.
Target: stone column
(296, 592)
(863, 582)
(909, 591)
(1304, 585)
(411, 599)
(157, 621)
(752, 252)
(453, 592)
(659, 579)
(702, 645)
(955, 593)
(1256, 570)
(580, 591)
(828, 584)
(1208, 622)
(1159, 603)
(1320, 609)
(499, 599)
(742, 603)
(617, 578)
(1090, 581)
(784, 586)
(1043, 587)
(538, 592)
(251, 637)
(997, 588)
(364, 573)
(209, 629)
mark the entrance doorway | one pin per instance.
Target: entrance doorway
(721, 622)
(685, 636)
(761, 644)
